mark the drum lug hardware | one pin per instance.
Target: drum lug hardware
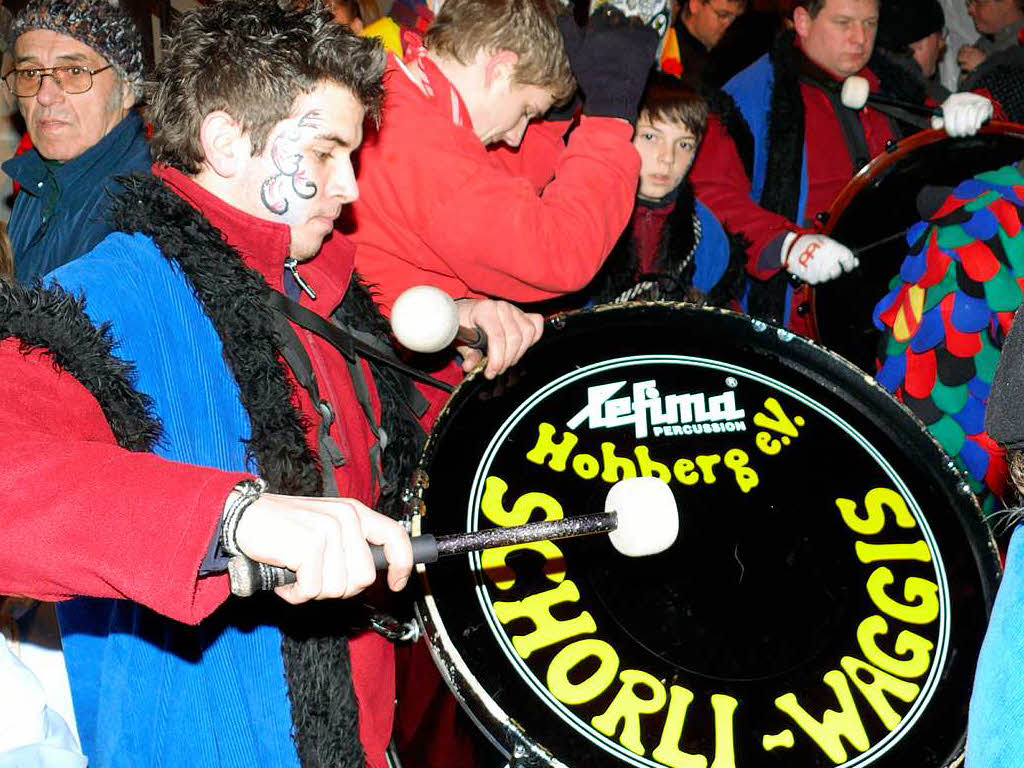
(394, 630)
(803, 308)
(415, 507)
(891, 145)
(795, 281)
(822, 217)
(420, 480)
(525, 755)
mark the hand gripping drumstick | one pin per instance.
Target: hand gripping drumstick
(857, 92)
(640, 516)
(425, 319)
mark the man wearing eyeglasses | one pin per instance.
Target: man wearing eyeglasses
(700, 27)
(77, 73)
(1000, 24)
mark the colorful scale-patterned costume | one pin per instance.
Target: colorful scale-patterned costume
(947, 314)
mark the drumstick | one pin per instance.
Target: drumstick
(876, 243)
(857, 92)
(640, 517)
(425, 319)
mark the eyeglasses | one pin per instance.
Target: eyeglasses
(70, 79)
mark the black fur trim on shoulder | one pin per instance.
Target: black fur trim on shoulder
(681, 236)
(729, 115)
(55, 322)
(233, 297)
(325, 712)
(785, 157)
(733, 283)
(785, 131)
(672, 280)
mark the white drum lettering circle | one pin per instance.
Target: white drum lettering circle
(823, 604)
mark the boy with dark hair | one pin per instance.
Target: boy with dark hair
(673, 249)
(200, 293)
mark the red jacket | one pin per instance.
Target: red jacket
(77, 506)
(721, 182)
(437, 207)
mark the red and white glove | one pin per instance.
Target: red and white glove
(963, 114)
(816, 258)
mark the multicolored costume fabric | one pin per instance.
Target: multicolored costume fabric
(947, 314)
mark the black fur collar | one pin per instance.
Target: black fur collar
(54, 321)
(317, 663)
(619, 274)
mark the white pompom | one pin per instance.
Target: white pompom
(855, 92)
(424, 319)
(648, 519)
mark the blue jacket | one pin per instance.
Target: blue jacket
(752, 90)
(149, 691)
(84, 188)
(712, 256)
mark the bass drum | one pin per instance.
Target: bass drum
(824, 602)
(878, 206)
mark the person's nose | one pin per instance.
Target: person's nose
(514, 136)
(49, 91)
(343, 184)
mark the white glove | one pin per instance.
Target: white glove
(816, 258)
(963, 114)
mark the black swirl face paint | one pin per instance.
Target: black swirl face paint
(288, 156)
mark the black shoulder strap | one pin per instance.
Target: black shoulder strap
(297, 358)
(849, 122)
(353, 345)
(350, 342)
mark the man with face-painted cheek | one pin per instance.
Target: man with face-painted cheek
(77, 72)
(807, 146)
(242, 421)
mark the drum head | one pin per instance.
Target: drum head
(823, 604)
(881, 201)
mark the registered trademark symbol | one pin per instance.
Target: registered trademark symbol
(731, 382)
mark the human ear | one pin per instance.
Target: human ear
(801, 21)
(501, 66)
(127, 96)
(225, 147)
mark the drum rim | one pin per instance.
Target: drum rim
(878, 166)
(882, 162)
(474, 697)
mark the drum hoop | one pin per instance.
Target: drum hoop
(807, 293)
(879, 164)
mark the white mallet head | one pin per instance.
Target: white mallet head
(855, 92)
(424, 319)
(648, 519)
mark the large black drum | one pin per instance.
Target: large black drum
(823, 605)
(878, 206)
